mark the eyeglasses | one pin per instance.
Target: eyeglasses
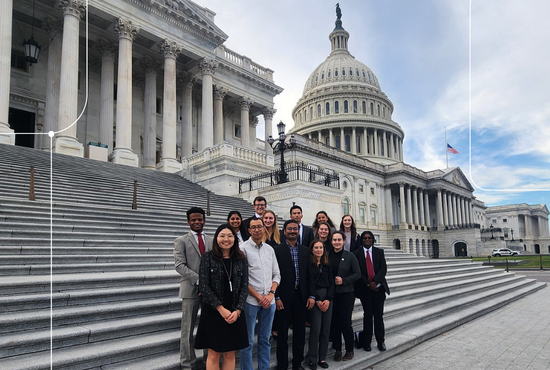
(256, 227)
(292, 228)
(260, 205)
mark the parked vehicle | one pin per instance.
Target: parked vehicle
(505, 252)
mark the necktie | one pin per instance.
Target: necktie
(201, 244)
(370, 269)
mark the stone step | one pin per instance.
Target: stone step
(77, 251)
(74, 268)
(61, 259)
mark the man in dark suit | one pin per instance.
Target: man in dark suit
(188, 250)
(291, 296)
(305, 236)
(371, 289)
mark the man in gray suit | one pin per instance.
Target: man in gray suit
(188, 250)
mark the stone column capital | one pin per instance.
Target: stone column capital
(268, 112)
(126, 29)
(170, 49)
(76, 8)
(245, 103)
(106, 48)
(150, 64)
(219, 92)
(188, 79)
(53, 26)
(254, 121)
(208, 66)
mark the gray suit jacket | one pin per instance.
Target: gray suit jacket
(187, 258)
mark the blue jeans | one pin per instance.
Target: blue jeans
(265, 320)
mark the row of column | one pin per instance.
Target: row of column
(454, 210)
(62, 94)
(377, 142)
(415, 205)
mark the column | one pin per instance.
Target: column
(445, 209)
(402, 202)
(342, 140)
(528, 232)
(219, 95)
(106, 97)
(385, 144)
(376, 146)
(392, 146)
(353, 143)
(455, 209)
(6, 12)
(389, 209)
(440, 212)
(245, 104)
(150, 113)
(427, 209)
(409, 206)
(365, 149)
(415, 206)
(450, 209)
(268, 113)
(188, 81)
(401, 150)
(123, 153)
(208, 68)
(469, 212)
(331, 138)
(66, 141)
(462, 216)
(421, 204)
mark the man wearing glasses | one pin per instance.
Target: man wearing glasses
(371, 289)
(259, 204)
(263, 279)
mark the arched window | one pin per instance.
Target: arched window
(364, 107)
(348, 143)
(358, 143)
(327, 109)
(343, 72)
(345, 106)
(337, 140)
(346, 208)
(384, 111)
(310, 112)
(305, 114)
(336, 73)
(350, 73)
(357, 72)
(328, 73)
(355, 106)
(364, 74)
(372, 109)
(373, 215)
(318, 110)
(378, 108)
(323, 76)
(336, 107)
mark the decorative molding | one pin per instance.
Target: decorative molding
(53, 26)
(106, 48)
(126, 29)
(268, 112)
(170, 49)
(76, 8)
(188, 79)
(207, 66)
(245, 103)
(150, 64)
(219, 92)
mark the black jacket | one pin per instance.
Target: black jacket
(348, 270)
(285, 290)
(380, 270)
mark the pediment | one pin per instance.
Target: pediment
(457, 177)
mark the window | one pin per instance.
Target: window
(373, 216)
(336, 107)
(358, 143)
(345, 106)
(362, 215)
(318, 110)
(327, 109)
(323, 76)
(310, 112)
(364, 107)
(343, 72)
(361, 188)
(345, 206)
(327, 140)
(355, 106)
(350, 73)
(337, 139)
(348, 143)
(372, 191)
(372, 109)
(305, 115)
(378, 108)
(336, 73)
(18, 61)
(237, 132)
(159, 106)
(357, 72)
(504, 220)
(328, 74)
(494, 221)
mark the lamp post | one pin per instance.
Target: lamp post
(31, 47)
(512, 231)
(492, 235)
(281, 146)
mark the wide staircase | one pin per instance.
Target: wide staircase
(91, 281)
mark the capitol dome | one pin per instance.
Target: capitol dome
(343, 106)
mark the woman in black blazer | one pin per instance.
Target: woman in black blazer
(353, 239)
(346, 271)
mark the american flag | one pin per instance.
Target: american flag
(450, 149)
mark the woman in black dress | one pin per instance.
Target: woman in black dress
(223, 283)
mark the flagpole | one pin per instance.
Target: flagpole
(446, 152)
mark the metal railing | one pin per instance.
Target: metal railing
(297, 172)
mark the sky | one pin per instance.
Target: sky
(473, 71)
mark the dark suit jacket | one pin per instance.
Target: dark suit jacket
(380, 270)
(285, 290)
(348, 270)
(307, 236)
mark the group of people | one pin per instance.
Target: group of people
(252, 278)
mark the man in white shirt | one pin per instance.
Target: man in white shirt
(263, 279)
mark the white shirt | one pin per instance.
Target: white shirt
(263, 268)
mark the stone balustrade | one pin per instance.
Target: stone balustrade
(244, 62)
(228, 150)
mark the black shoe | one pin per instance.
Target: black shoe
(338, 356)
(323, 364)
(367, 348)
(381, 347)
(298, 368)
(312, 365)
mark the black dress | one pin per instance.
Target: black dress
(214, 332)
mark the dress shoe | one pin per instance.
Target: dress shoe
(298, 368)
(312, 365)
(367, 348)
(381, 347)
(338, 356)
(348, 356)
(323, 364)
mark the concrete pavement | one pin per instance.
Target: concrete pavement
(514, 337)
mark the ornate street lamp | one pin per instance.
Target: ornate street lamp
(492, 235)
(281, 146)
(32, 49)
(512, 231)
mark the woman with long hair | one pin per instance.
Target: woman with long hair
(271, 236)
(223, 283)
(321, 292)
(235, 219)
(322, 216)
(353, 240)
(346, 271)
(324, 234)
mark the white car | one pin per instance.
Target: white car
(505, 252)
